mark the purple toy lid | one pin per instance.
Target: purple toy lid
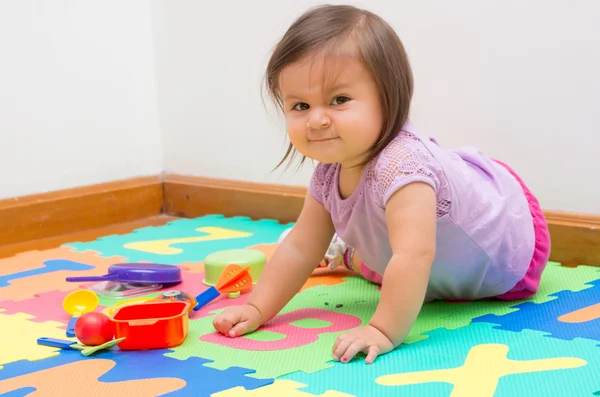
(140, 273)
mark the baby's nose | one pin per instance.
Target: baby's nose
(317, 119)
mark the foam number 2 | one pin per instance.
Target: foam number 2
(284, 325)
(163, 247)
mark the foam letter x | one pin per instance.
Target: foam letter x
(484, 366)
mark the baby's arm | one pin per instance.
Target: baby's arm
(294, 259)
(411, 221)
(285, 273)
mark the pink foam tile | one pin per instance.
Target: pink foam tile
(282, 324)
(46, 306)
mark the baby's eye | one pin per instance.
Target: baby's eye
(340, 100)
(300, 106)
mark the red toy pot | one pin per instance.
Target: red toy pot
(151, 325)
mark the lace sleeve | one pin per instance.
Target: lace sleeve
(407, 160)
(321, 181)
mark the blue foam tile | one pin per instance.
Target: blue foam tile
(53, 265)
(19, 393)
(200, 380)
(545, 316)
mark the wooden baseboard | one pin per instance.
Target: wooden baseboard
(189, 196)
(82, 208)
(575, 237)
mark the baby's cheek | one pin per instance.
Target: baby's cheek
(296, 131)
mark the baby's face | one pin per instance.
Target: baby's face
(332, 109)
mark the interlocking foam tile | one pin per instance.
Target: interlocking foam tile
(454, 315)
(45, 307)
(83, 378)
(472, 361)
(49, 266)
(308, 350)
(289, 330)
(299, 339)
(572, 315)
(186, 240)
(25, 288)
(281, 388)
(34, 260)
(558, 278)
(325, 276)
(19, 393)
(200, 379)
(19, 335)
(196, 379)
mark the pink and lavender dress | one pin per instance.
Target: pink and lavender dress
(492, 238)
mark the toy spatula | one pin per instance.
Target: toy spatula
(235, 278)
(71, 345)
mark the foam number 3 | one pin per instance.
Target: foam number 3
(283, 325)
(163, 247)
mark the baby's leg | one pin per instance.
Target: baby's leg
(359, 266)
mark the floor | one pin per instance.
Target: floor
(86, 235)
(547, 346)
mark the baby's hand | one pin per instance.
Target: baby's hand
(237, 320)
(367, 339)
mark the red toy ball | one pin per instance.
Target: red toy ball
(94, 328)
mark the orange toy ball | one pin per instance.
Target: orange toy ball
(94, 328)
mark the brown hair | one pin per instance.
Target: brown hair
(374, 43)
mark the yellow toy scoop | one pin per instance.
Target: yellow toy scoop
(77, 303)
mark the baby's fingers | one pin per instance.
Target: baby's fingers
(222, 324)
(238, 329)
(224, 321)
(356, 346)
(342, 346)
(372, 354)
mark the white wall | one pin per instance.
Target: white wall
(77, 94)
(83, 76)
(519, 79)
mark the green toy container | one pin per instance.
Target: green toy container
(215, 263)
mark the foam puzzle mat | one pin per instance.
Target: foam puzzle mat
(548, 345)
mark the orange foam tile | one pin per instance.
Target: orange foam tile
(81, 379)
(28, 287)
(326, 276)
(35, 259)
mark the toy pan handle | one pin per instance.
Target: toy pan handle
(93, 278)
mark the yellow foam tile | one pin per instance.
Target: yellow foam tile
(81, 379)
(19, 338)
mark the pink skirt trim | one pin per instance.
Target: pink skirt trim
(529, 285)
(370, 275)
